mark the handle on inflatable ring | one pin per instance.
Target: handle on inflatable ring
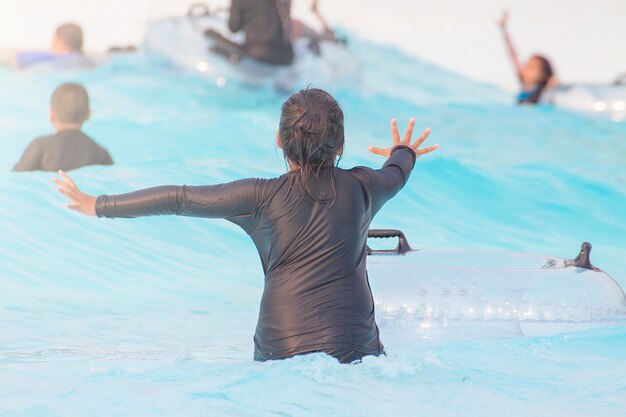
(201, 7)
(402, 247)
(583, 259)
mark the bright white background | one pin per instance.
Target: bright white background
(585, 39)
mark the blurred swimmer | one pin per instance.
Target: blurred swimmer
(535, 75)
(69, 148)
(67, 44)
(309, 225)
(267, 28)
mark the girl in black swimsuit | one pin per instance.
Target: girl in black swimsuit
(309, 226)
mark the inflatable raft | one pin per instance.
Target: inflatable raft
(181, 41)
(607, 99)
(472, 294)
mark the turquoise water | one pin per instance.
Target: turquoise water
(156, 316)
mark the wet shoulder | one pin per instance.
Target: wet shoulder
(361, 174)
(273, 185)
(43, 142)
(264, 189)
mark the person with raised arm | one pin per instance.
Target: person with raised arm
(309, 226)
(535, 75)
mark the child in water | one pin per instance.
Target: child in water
(69, 148)
(535, 75)
(309, 226)
(67, 44)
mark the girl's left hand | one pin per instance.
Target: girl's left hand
(81, 202)
(406, 141)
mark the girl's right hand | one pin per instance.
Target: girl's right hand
(81, 202)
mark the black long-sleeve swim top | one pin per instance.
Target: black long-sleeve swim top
(313, 251)
(68, 149)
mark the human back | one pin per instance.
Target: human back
(66, 150)
(317, 295)
(267, 27)
(316, 216)
(69, 148)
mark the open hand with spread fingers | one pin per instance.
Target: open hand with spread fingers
(79, 201)
(406, 141)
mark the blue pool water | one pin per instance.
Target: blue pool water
(154, 317)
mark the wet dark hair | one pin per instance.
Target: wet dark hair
(546, 68)
(311, 132)
(546, 74)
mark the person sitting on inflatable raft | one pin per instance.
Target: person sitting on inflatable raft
(267, 28)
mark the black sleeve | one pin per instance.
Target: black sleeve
(31, 158)
(239, 198)
(235, 22)
(385, 183)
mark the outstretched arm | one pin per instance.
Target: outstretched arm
(384, 183)
(214, 201)
(328, 32)
(509, 45)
